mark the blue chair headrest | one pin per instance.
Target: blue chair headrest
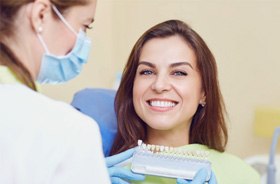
(99, 105)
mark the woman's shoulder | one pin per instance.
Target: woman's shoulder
(229, 168)
(225, 159)
(217, 156)
(232, 166)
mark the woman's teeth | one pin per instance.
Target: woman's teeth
(162, 103)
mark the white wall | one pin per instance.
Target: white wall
(244, 35)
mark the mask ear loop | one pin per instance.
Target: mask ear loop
(63, 19)
(39, 31)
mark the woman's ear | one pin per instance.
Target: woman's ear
(202, 100)
(39, 10)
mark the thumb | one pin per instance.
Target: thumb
(213, 179)
(200, 177)
(118, 158)
(125, 173)
(181, 181)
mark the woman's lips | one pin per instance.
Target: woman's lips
(161, 104)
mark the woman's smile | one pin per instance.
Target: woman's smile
(161, 105)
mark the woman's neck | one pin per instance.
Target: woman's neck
(174, 138)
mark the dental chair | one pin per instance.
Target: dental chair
(271, 168)
(267, 165)
(99, 104)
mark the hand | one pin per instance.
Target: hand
(200, 178)
(119, 174)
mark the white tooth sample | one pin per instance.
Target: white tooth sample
(139, 142)
(157, 147)
(149, 147)
(171, 149)
(144, 146)
(153, 147)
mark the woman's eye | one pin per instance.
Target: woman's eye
(146, 72)
(180, 73)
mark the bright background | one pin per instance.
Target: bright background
(242, 34)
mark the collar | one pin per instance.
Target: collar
(7, 76)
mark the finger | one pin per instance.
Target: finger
(115, 159)
(182, 181)
(116, 180)
(200, 177)
(213, 179)
(125, 173)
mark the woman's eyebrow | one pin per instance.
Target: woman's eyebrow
(146, 63)
(172, 65)
(181, 63)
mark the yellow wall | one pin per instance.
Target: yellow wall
(244, 35)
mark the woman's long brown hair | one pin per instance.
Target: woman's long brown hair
(8, 14)
(208, 125)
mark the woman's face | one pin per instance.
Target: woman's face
(167, 87)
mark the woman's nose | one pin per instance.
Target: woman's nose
(161, 84)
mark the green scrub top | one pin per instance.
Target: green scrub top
(7, 76)
(229, 169)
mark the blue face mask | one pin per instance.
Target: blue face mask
(59, 69)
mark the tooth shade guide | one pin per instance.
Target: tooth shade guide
(173, 151)
(159, 160)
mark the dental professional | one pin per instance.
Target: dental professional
(43, 141)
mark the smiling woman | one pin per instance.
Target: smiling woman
(169, 95)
